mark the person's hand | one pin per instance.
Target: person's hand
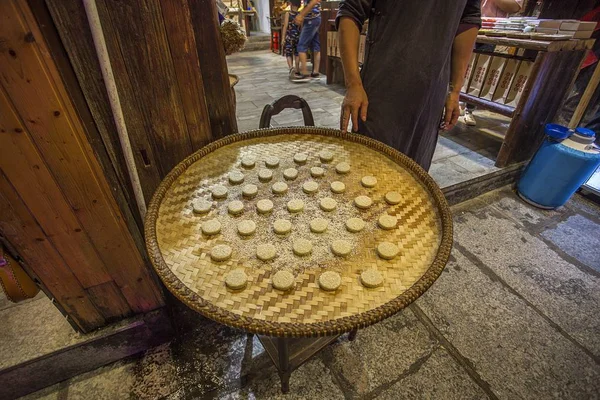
(355, 105)
(451, 111)
(299, 19)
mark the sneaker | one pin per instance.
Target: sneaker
(469, 118)
(315, 75)
(298, 78)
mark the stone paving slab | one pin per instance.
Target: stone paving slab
(380, 353)
(512, 348)
(437, 377)
(560, 290)
(311, 381)
(578, 236)
(398, 358)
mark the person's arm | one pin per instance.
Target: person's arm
(355, 102)
(352, 14)
(300, 17)
(286, 21)
(461, 53)
(508, 6)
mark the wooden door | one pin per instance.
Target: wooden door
(170, 71)
(56, 206)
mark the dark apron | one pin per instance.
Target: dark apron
(406, 72)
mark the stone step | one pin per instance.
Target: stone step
(255, 46)
(259, 38)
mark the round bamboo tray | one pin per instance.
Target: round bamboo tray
(180, 252)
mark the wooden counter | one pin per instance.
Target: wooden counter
(556, 65)
(540, 45)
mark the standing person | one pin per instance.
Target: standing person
(415, 63)
(291, 33)
(497, 9)
(310, 20)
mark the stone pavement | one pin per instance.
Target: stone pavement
(462, 154)
(515, 314)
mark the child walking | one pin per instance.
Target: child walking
(291, 33)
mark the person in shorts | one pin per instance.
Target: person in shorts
(310, 20)
(291, 33)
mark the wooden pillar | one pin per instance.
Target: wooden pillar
(213, 67)
(586, 97)
(56, 206)
(540, 103)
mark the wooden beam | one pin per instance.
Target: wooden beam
(585, 98)
(501, 109)
(174, 98)
(540, 45)
(467, 190)
(143, 152)
(183, 50)
(211, 54)
(142, 43)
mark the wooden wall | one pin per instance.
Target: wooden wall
(56, 206)
(170, 70)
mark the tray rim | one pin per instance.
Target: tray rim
(289, 329)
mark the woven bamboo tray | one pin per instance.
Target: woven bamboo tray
(180, 253)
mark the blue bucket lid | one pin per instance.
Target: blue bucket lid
(557, 131)
(585, 132)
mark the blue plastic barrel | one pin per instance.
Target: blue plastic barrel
(558, 170)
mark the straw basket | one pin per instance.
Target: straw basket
(180, 252)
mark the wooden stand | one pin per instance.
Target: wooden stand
(290, 353)
(552, 76)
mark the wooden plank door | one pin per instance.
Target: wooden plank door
(170, 71)
(55, 192)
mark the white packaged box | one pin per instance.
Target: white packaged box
(587, 25)
(550, 23)
(479, 73)
(506, 78)
(518, 85)
(493, 77)
(549, 31)
(582, 34)
(569, 25)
